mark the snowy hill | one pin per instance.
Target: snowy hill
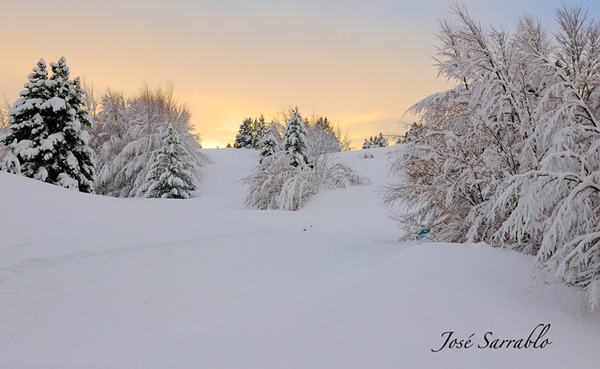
(96, 282)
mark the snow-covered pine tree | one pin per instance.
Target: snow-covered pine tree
(70, 159)
(169, 175)
(26, 126)
(295, 140)
(380, 141)
(367, 144)
(260, 130)
(413, 134)
(48, 132)
(375, 141)
(245, 137)
(267, 145)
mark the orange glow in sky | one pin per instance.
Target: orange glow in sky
(360, 63)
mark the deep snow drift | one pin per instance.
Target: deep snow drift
(96, 282)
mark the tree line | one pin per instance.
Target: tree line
(140, 146)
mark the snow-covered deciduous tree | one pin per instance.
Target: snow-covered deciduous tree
(322, 137)
(4, 108)
(287, 177)
(130, 137)
(169, 175)
(511, 155)
(109, 137)
(47, 135)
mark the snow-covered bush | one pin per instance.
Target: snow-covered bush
(47, 135)
(511, 155)
(287, 177)
(280, 182)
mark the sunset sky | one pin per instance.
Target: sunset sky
(361, 63)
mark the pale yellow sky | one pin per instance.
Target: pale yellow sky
(361, 63)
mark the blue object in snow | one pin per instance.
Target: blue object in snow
(423, 234)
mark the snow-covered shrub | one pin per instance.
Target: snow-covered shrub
(279, 182)
(47, 134)
(287, 177)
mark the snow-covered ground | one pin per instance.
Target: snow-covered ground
(96, 282)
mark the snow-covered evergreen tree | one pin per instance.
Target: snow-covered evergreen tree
(367, 144)
(26, 126)
(47, 135)
(380, 141)
(260, 129)
(377, 141)
(245, 137)
(169, 175)
(295, 140)
(413, 134)
(267, 145)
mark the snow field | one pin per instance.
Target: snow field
(95, 282)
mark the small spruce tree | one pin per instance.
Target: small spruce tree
(169, 175)
(267, 145)
(294, 140)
